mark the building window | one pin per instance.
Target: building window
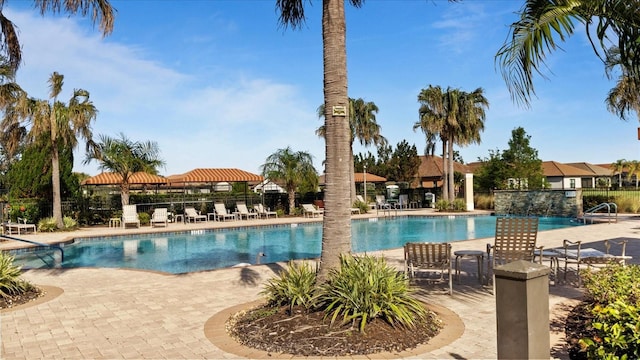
(572, 183)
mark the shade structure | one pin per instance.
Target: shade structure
(215, 175)
(138, 178)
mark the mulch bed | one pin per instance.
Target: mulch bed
(275, 330)
(16, 300)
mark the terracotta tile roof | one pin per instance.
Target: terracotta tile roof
(594, 169)
(107, 178)
(215, 176)
(553, 168)
(431, 166)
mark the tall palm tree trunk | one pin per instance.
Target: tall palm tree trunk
(451, 182)
(352, 175)
(55, 170)
(445, 188)
(336, 227)
(292, 201)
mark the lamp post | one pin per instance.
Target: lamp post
(365, 184)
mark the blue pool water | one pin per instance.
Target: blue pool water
(199, 250)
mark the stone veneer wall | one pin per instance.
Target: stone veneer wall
(562, 203)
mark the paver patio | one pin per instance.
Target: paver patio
(131, 314)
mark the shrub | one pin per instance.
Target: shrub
(364, 208)
(483, 201)
(365, 288)
(49, 224)
(612, 283)
(10, 282)
(145, 218)
(293, 286)
(459, 205)
(618, 337)
(442, 205)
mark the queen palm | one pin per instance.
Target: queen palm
(101, 12)
(291, 169)
(62, 123)
(336, 226)
(618, 167)
(534, 35)
(125, 157)
(12, 99)
(363, 126)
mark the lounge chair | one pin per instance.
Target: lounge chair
(190, 214)
(243, 212)
(262, 212)
(160, 216)
(222, 213)
(428, 257)
(130, 216)
(573, 252)
(381, 202)
(403, 202)
(309, 210)
(20, 227)
(515, 239)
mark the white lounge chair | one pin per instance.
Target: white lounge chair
(190, 214)
(243, 212)
(130, 216)
(222, 213)
(262, 212)
(309, 210)
(160, 216)
(381, 202)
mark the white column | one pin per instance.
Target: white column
(468, 191)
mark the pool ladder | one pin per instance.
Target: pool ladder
(40, 246)
(611, 207)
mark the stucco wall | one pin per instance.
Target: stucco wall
(563, 203)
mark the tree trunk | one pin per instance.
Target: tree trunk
(452, 182)
(124, 194)
(292, 201)
(352, 172)
(55, 182)
(445, 188)
(336, 226)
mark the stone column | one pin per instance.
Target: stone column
(522, 310)
(468, 191)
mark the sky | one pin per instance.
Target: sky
(220, 84)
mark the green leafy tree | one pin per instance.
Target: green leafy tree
(522, 162)
(101, 12)
(124, 157)
(292, 170)
(543, 22)
(404, 163)
(30, 177)
(492, 174)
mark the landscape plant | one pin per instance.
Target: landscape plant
(49, 224)
(364, 288)
(613, 296)
(11, 283)
(294, 286)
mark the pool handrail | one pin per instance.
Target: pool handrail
(53, 246)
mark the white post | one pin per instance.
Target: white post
(468, 191)
(365, 184)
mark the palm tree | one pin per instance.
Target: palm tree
(61, 123)
(363, 125)
(625, 96)
(292, 169)
(101, 12)
(541, 22)
(12, 99)
(126, 157)
(633, 169)
(336, 226)
(457, 117)
(618, 167)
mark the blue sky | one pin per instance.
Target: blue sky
(219, 83)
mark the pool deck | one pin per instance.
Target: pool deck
(130, 314)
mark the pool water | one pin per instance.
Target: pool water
(197, 250)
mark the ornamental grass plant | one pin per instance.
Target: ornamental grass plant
(11, 283)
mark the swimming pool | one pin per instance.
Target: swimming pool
(197, 250)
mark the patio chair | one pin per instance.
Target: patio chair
(308, 210)
(428, 257)
(381, 202)
(403, 202)
(572, 252)
(190, 214)
(515, 239)
(244, 212)
(160, 216)
(222, 213)
(130, 216)
(262, 212)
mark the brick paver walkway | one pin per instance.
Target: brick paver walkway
(129, 314)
